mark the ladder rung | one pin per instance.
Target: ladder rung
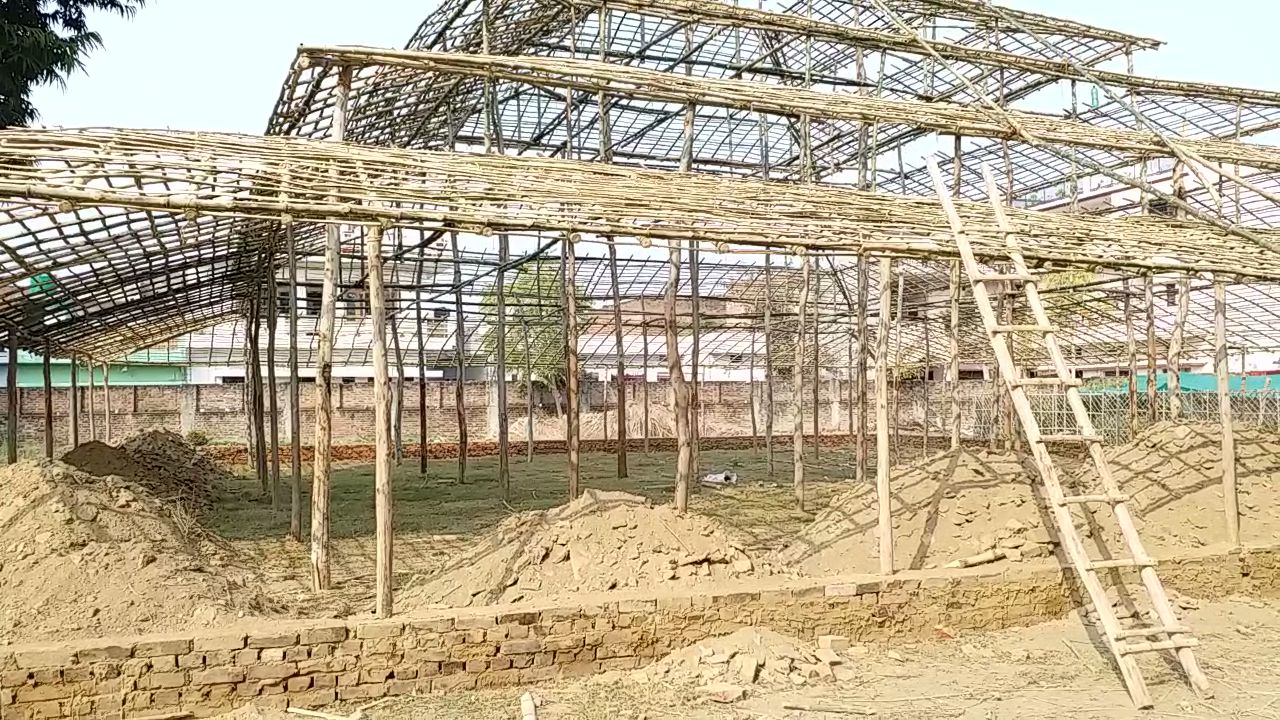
(1081, 499)
(1129, 648)
(1005, 277)
(1120, 563)
(1022, 328)
(1045, 381)
(1071, 438)
(1149, 631)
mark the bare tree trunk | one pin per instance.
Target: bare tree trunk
(679, 392)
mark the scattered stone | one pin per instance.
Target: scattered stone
(838, 643)
(724, 693)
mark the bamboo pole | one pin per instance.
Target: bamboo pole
(1175, 349)
(257, 408)
(47, 377)
(460, 359)
(11, 386)
(1131, 345)
(423, 437)
(953, 330)
(92, 404)
(864, 291)
(528, 392)
(1148, 293)
(768, 362)
(924, 383)
(884, 531)
(382, 466)
(621, 362)
(321, 474)
(644, 387)
(897, 358)
(695, 370)
(1230, 500)
(106, 402)
(797, 391)
(569, 295)
(74, 402)
(397, 387)
(295, 392)
(751, 396)
(817, 383)
(273, 400)
(492, 134)
(680, 394)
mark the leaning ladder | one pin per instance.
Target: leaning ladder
(1125, 643)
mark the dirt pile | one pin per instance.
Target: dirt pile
(1172, 473)
(728, 666)
(159, 460)
(601, 541)
(950, 507)
(83, 556)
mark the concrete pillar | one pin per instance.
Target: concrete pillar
(188, 405)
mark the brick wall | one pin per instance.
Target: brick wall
(310, 664)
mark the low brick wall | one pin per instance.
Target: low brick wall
(314, 663)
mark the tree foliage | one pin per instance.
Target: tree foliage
(535, 306)
(42, 42)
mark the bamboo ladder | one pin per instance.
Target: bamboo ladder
(1125, 643)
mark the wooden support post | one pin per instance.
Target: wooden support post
(273, 399)
(295, 393)
(382, 464)
(751, 395)
(92, 404)
(1131, 344)
(1175, 349)
(817, 382)
(257, 407)
(504, 429)
(73, 401)
(953, 329)
(620, 355)
(321, 578)
(924, 379)
(460, 358)
(768, 362)
(854, 336)
(424, 439)
(884, 532)
(1148, 293)
(680, 393)
(397, 387)
(106, 402)
(897, 360)
(797, 386)
(528, 392)
(695, 371)
(11, 387)
(1230, 500)
(569, 295)
(47, 374)
(864, 293)
(644, 387)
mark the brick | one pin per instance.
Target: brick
(246, 657)
(152, 681)
(427, 669)
(468, 652)
(500, 663)
(375, 675)
(401, 687)
(475, 622)
(103, 652)
(405, 672)
(164, 698)
(298, 684)
(6, 697)
(296, 653)
(218, 642)
(578, 669)
(518, 618)
(350, 647)
(14, 678)
(620, 637)
(500, 678)
(271, 671)
(435, 625)
(619, 663)
(322, 634)
(272, 640)
(460, 681)
(76, 674)
(362, 692)
(638, 606)
(46, 710)
(218, 676)
(191, 660)
(271, 655)
(518, 647)
(539, 674)
(272, 688)
(314, 698)
(155, 648)
(44, 657)
(164, 663)
(379, 629)
(381, 646)
(41, 693)
(135, 667)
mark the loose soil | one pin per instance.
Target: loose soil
(159, 460)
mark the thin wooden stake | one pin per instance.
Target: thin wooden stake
(817, 383)
(1230, 499)
(382, 464)
(504, 429)
(620, 379)
(423, 437)
(884, 531)
(47, 377)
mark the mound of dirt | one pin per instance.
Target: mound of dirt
(750, 657)
(83, 556)
(601, 541)
(159, 460)
(947, 508)
(1172, 473)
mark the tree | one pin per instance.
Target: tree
(42, 42)
(535, 305)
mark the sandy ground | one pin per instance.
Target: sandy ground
(1047, 671)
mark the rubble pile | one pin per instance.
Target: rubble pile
(159, 460)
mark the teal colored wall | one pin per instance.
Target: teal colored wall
(31, 375)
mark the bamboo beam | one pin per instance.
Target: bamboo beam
(295, 392)
(1230, 499)
(47, 377)
(504, 429)
(382, 464)
(1175, 349)
(620, 377)
(797, 390)
(884, 531)
(322, 471)
(569, 295)
(460, 359)
(11, 387)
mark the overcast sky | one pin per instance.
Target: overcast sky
(219, 65)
